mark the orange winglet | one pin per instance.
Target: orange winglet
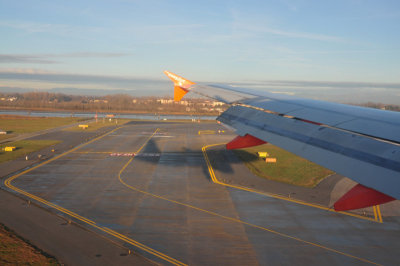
(179, 92)
(181, 85)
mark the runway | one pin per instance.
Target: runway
(148, 186)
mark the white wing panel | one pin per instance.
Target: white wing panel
(368, 161)
(220, 94)
(372, 122)
(273, 105)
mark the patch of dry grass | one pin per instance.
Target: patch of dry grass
(15, 251)
(15, 125)
(23, 147)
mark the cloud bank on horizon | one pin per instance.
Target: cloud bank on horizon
(310, 48)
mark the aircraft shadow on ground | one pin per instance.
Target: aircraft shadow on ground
(220, 159)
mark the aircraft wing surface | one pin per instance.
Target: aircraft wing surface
(357, 142)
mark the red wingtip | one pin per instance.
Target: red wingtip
(361, 197)
(244, 142)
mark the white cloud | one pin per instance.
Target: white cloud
(48, 58)
(25, 71)
(28, 74)
(290, 34)
(56, 29)
(19, 58)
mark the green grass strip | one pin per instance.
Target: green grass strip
(289, 167)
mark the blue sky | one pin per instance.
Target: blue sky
(209, 41)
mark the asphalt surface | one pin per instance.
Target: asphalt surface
(162, 204)
(70, 243)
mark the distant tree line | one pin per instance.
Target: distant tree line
(390, 107)
(108, 103)
(125, 103)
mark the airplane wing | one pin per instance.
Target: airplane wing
(357, 142)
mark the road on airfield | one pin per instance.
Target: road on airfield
(147, 186)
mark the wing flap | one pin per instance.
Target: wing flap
(374, 128)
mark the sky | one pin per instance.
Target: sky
(304, 47)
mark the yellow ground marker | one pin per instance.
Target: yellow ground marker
(262, 154)
(270, 160)
(124, 238)
(206, 132)
(226, 217)
(9, 148)
(215, 180)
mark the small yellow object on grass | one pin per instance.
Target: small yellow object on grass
(262, 154)
(9, 148)
(84, 126)
(270, 160)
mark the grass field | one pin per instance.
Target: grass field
(100, 123)
(16, 251)
(3, 137)
(289, 168)
(23, 147)
(15, 125)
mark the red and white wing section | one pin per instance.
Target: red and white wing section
(357, 142)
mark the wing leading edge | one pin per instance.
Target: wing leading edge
(360, 143)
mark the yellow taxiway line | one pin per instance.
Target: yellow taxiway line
(207, 132)
(215, 180)
(227, 217)
(94, 152)
(377, 213)
(109, 231)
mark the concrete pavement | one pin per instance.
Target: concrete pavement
(163, 204)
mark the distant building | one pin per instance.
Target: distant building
(11, 99)
(217, 103)
(100, 101)
(165, 101)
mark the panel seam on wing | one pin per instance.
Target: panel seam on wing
(317, 123)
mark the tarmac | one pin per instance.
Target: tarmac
(147, 188)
